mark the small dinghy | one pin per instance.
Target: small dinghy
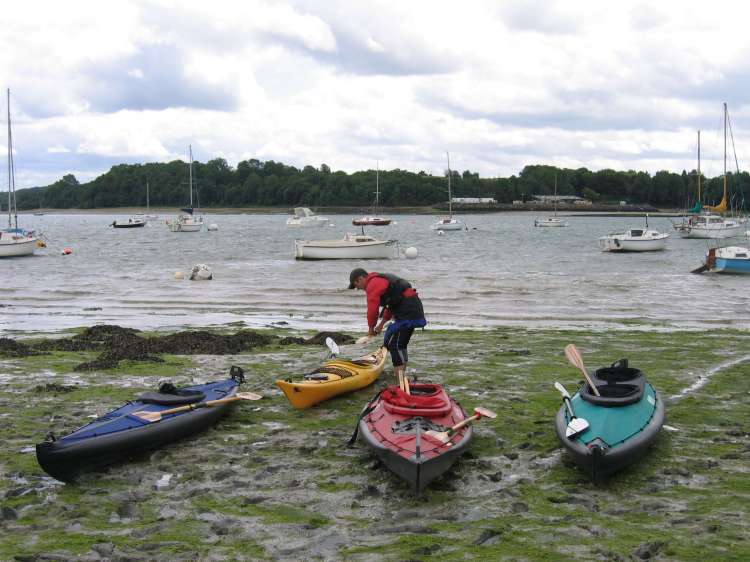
(608, 432)
(418, 436)
(148, 422)
(334, 377)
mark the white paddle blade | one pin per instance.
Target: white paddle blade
(333, 346)
(248, 396)
(364, 339)
(562, 390)
(147, 416)
(576, 426)
(439, 435)
(485, 413)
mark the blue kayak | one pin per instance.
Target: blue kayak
(623, 422)
(119, 435)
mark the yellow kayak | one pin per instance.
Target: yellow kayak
(334, 377)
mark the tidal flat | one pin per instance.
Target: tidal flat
(270, 482)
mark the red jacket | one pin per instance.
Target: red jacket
(375, 286)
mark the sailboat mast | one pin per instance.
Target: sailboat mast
(10, 169)
(699, 166)
(190, 149)
(725, 152)
(554, 201)
(450, 197)
(147, 205)
(377, 184)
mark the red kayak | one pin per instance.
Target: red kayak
(396, 426)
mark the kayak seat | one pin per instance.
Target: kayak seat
(343, 373)
(179, 398)
(619, 385)
(429, 400)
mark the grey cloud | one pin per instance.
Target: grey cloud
(151, 79)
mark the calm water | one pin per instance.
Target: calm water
(504, 273)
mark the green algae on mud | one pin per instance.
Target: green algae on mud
(272, 482)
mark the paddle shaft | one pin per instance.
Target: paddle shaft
(207, 404)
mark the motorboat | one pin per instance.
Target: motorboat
(136, 221)
(304, 217)
(14, 241)
(351, 246)
(449, 223)
(187, 221)
(634, 240)
(552, 221)
(373, 219)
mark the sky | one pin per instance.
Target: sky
(497, 84)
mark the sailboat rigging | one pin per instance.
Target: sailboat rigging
(553, 220)
(449, 223)
(374, 218)
(186, 221)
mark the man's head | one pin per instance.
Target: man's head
(357, 278)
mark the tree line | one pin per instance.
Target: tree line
(257, 183)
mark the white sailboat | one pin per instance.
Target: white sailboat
(448, 223)
(552, 221)
(711, 223)
(187, 221)
(147, 216)
(352, 246)
(14, 241)
(374, 219)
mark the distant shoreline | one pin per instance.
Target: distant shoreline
(567, 211)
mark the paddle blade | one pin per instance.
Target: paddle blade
(484, 413)
(574, 356)
(701, 269)
(442, 436)
(248, 396)
(333, 346)
(562, 390)
(148, 416)
(576, 426)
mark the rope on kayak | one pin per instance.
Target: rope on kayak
(369, 408)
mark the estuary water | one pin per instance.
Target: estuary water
(501, 272)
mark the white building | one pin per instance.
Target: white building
(473, 200)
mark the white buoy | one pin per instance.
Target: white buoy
(411, 252)
(179, 275)
(441, 233)
(213, 227)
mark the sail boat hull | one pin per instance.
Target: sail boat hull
(13, 245)
(704, 227)
(371, 221)
(448, 224)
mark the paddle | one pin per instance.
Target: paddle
(479, 413)
(573, 355)
(156, 416)
(333, 347)
(576, 425)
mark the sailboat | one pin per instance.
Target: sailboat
(448, 223)
(147, 216)
(553, 220)
(373, 219)
(186, 221)
(14, 241)
(710, 223)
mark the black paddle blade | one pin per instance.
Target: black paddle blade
(701, 269)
